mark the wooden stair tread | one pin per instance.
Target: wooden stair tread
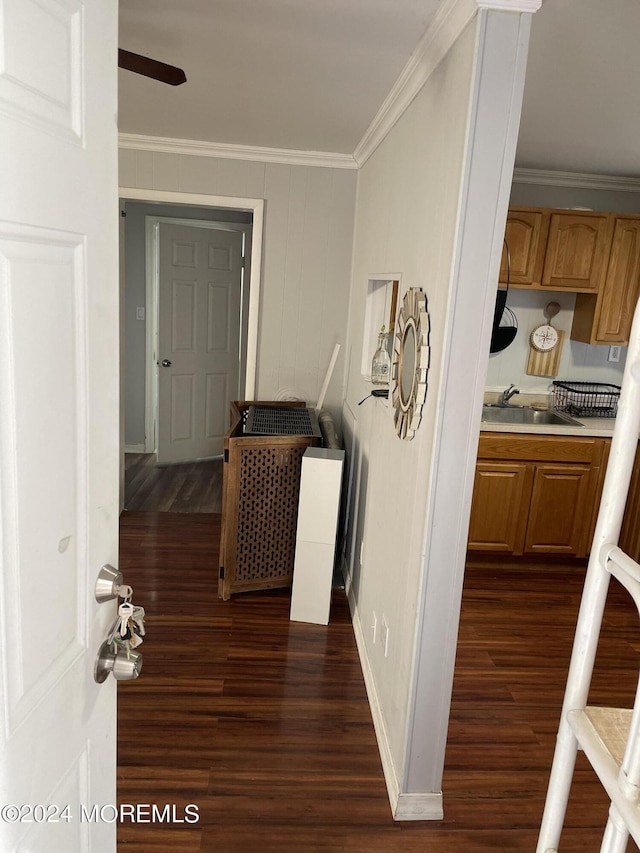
(612, 725)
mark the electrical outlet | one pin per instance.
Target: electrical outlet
(374, 626)
(139, 313)
(385, 635)
(614, 353)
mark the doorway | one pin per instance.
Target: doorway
(197, 300)
(190, 485)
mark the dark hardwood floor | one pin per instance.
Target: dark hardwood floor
(190, 487)
(264, 724)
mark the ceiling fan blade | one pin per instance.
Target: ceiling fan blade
(151, 68)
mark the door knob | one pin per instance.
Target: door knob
(166, 362)
(124, 666)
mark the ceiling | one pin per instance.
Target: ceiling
(302, 74)
(581, 109)
(311, 75)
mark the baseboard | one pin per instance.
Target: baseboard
(419, 807)
(346, 577)
(388, 767)
(134, 448)
(426, 806)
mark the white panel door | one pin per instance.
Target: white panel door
(59, 402)
(199, 302)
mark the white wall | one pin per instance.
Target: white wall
(432, 204)
(578, 361)
(308, 236)
(405, 223)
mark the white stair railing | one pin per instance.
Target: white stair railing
(610, 737)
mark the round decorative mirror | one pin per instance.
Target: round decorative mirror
(410, 363)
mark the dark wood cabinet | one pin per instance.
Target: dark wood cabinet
(630, 533)
(535, 494)
(526, 235)
(577, 251)
(557, 249)
(558, 512)
(501, 496)
(606, 318)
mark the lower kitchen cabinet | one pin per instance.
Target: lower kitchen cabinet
(559, 509)
(535, 494)
(630, 533)
(501, 495)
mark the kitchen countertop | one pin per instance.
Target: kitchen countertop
(602, 427)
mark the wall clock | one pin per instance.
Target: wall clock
(410, 363)
(544, 337)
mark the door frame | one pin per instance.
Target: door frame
(255, 206)
(152, 273)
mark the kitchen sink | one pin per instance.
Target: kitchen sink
(526, 415)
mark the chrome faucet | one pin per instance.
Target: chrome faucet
(508, 394)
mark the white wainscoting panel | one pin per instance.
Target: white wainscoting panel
(39, 275)
(182, 407)
(65, 834)
(183, 316)
(217, 388)
(49, 304)
(43, 85)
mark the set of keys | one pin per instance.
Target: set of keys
(128, 629)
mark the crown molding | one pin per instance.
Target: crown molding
(577, 180)
(521, 6)
(449, 21)
(192, 147)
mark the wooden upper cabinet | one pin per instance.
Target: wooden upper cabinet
(525, 235)
(577, 251)
(607, 319)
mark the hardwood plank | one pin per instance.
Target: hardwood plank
(265, 725)
(188, 487)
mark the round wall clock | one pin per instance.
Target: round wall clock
(544, 338)
(410, 363)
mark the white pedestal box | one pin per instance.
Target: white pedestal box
(316, 534)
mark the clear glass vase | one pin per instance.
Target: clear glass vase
(381, 364)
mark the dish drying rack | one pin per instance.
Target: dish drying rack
(586, 399)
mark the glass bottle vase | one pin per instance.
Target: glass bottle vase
(381, 364)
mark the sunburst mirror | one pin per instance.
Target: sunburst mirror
(410, 363)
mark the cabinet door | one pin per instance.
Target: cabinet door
(559, 514)
(525, 234)
(630, 533)
(622, 284)
(577, 251)
(499, 508)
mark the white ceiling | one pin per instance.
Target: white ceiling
(311, 75)
(303, 74)
(581, 109)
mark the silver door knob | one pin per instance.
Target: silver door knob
(166, 362)
(125, 666)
